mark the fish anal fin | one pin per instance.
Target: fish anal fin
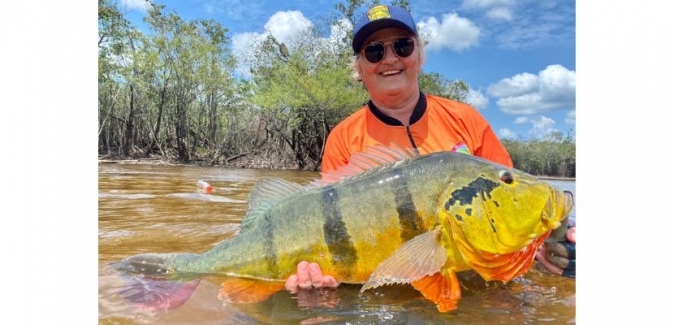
(442, 288)
(245, 291)
(421, 256)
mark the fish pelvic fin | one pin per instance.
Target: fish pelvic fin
(419, 257)
(246, 291)
(442, 288)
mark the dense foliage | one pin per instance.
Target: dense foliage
(553, 155)
(173, 92)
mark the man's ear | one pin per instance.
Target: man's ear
(359, 70)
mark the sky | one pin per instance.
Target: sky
(517, 56)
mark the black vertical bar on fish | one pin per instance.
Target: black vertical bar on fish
(336, 235)
(268, 243)
(408, 218)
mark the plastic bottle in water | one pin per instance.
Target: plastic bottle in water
(203, 187)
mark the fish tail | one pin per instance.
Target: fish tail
(154, 295)
(153, 281)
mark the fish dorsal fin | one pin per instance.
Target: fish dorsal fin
(372, 158)
(421, 256)
(264, 195)
(245, 291)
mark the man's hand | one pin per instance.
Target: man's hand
(309, 275)
(560, 257)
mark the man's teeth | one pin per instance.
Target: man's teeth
(386, 73)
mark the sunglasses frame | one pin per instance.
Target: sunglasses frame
(393, 41)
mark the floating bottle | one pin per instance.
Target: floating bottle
(203, 187)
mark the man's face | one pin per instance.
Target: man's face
(393, 75)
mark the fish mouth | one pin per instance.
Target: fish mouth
(558, 232)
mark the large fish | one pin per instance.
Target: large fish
(389, 217)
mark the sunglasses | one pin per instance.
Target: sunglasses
(375, 51)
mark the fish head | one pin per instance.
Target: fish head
(499, 210)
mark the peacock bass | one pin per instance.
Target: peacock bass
(389, 217)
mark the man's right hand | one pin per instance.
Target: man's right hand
(309, 275)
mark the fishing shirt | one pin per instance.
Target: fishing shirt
(436, 124)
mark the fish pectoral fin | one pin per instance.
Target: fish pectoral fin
(421, 256)
(442, 288)
(246, 291)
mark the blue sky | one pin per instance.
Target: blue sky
(517, 56)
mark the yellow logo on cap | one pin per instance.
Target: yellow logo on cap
(378, 12)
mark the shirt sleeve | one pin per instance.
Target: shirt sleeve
(488, 145)
(336, 153)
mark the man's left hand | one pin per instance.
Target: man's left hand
(560, 257)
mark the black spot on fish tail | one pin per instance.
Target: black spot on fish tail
(465, 195)
(408, 218)
(337, 237)
(268, 242)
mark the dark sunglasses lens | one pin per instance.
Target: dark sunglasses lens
(403, 47)
(374, 52)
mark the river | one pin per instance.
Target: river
(155, 208)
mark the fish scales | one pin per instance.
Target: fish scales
(417, 221)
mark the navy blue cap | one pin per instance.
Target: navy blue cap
(379, 17)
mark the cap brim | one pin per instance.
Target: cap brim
(374, 26)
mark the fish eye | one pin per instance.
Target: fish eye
(506, 177)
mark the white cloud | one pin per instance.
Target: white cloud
(541, 127)
(454, 32)
(135, 4)
(521, 120)
(500, 13)
(571, 118)
(495, 9)
(477, 99)
(536, 24)
(485, 4)
(242, 45)
(506, 133)
(552, 89)
(517, 85)
(284, 24)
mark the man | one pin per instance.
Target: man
(388, 60)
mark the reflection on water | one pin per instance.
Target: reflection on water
(144, 208)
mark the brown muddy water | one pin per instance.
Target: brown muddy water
(156, 209)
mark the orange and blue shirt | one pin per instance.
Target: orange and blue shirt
(436, 124)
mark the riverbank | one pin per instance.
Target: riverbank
(248, 163)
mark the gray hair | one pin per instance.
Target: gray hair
(422, 58)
